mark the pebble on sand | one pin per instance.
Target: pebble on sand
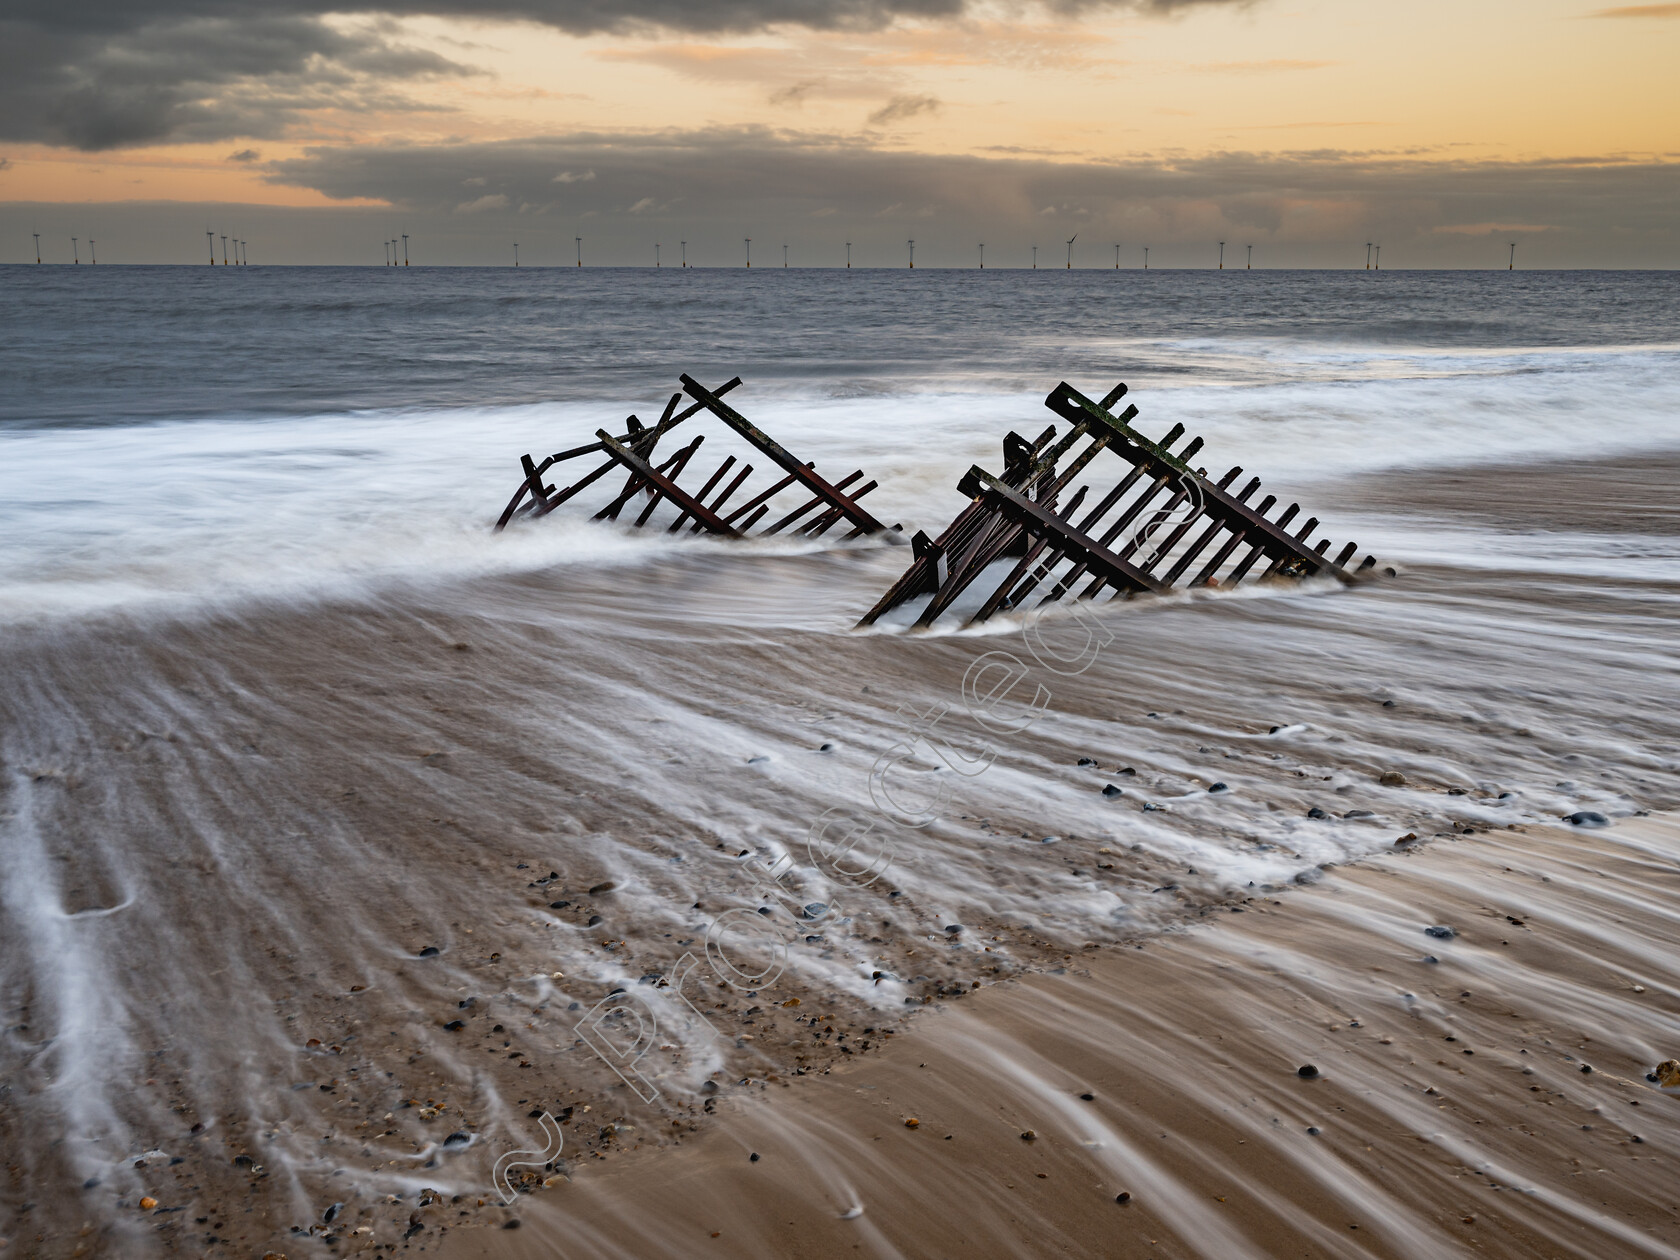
(1306, 1071)
(1111, 791)
(1588, 818)
(1123, 1197)
(1392, 778)
(912, 1123)
(148, 1203)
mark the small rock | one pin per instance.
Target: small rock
(1430, 958)
(593, 920)
(1218, 787)
(912, 1123)
(454, 1025)
(1392, 778)
(148, 1203)
(1306, 1071)
(558, 905)
(457, 1139)
(1359, 813)
(1123, 1197)
(1388, 704)
(1440, 932)
(431, 951)
(953, 927)
(1111, 792)
(1588, 818)
(1316, 812)
(1088, 1097)
(606, 887)
(1312, 1130)
(1586, 1068)
(1029, 1136)
(753, 1158)
(1086, 761)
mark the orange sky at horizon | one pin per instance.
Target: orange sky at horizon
(1494, 80)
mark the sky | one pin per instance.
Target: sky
(1443, 130)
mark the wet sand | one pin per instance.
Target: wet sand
(234, 840)
(1453, 1111)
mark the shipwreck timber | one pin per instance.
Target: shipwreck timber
(817, 504)
(1163, 525)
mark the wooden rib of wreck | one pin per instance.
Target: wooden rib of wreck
(1164, 525)
(821, 504)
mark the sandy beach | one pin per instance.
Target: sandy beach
(1479, 1095)
(308, 896)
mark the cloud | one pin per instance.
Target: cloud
(902, 107)
(731, 182)
(795, 93)
(569, 177)
(490, 201)
(1641, 11)
(244, 155)
(105, 74)
(1259, 67)
(126, 77)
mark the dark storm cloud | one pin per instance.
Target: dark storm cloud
(100, 74)
(193, 77)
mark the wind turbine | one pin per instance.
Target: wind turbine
(211, 237)
(74, 252)
(848, 255)
(982, 255)
(1035, 258)
(405, 248)
(912, 255)
(224, 249)
(387, 244)
(579, 241)
(1117, 255)
(656, 254)
(1251, 258)
(784, 255)
(1146, 258)
(93, 254)
(1367, 255)
(748, 240)
(1070, 242)
(1222, 255)
(1512, 265)
(37, 248)
(685, 253)
(516, 253)
(1378, 267)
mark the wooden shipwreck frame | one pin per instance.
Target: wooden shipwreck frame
(1163, 525)
(817, 505)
